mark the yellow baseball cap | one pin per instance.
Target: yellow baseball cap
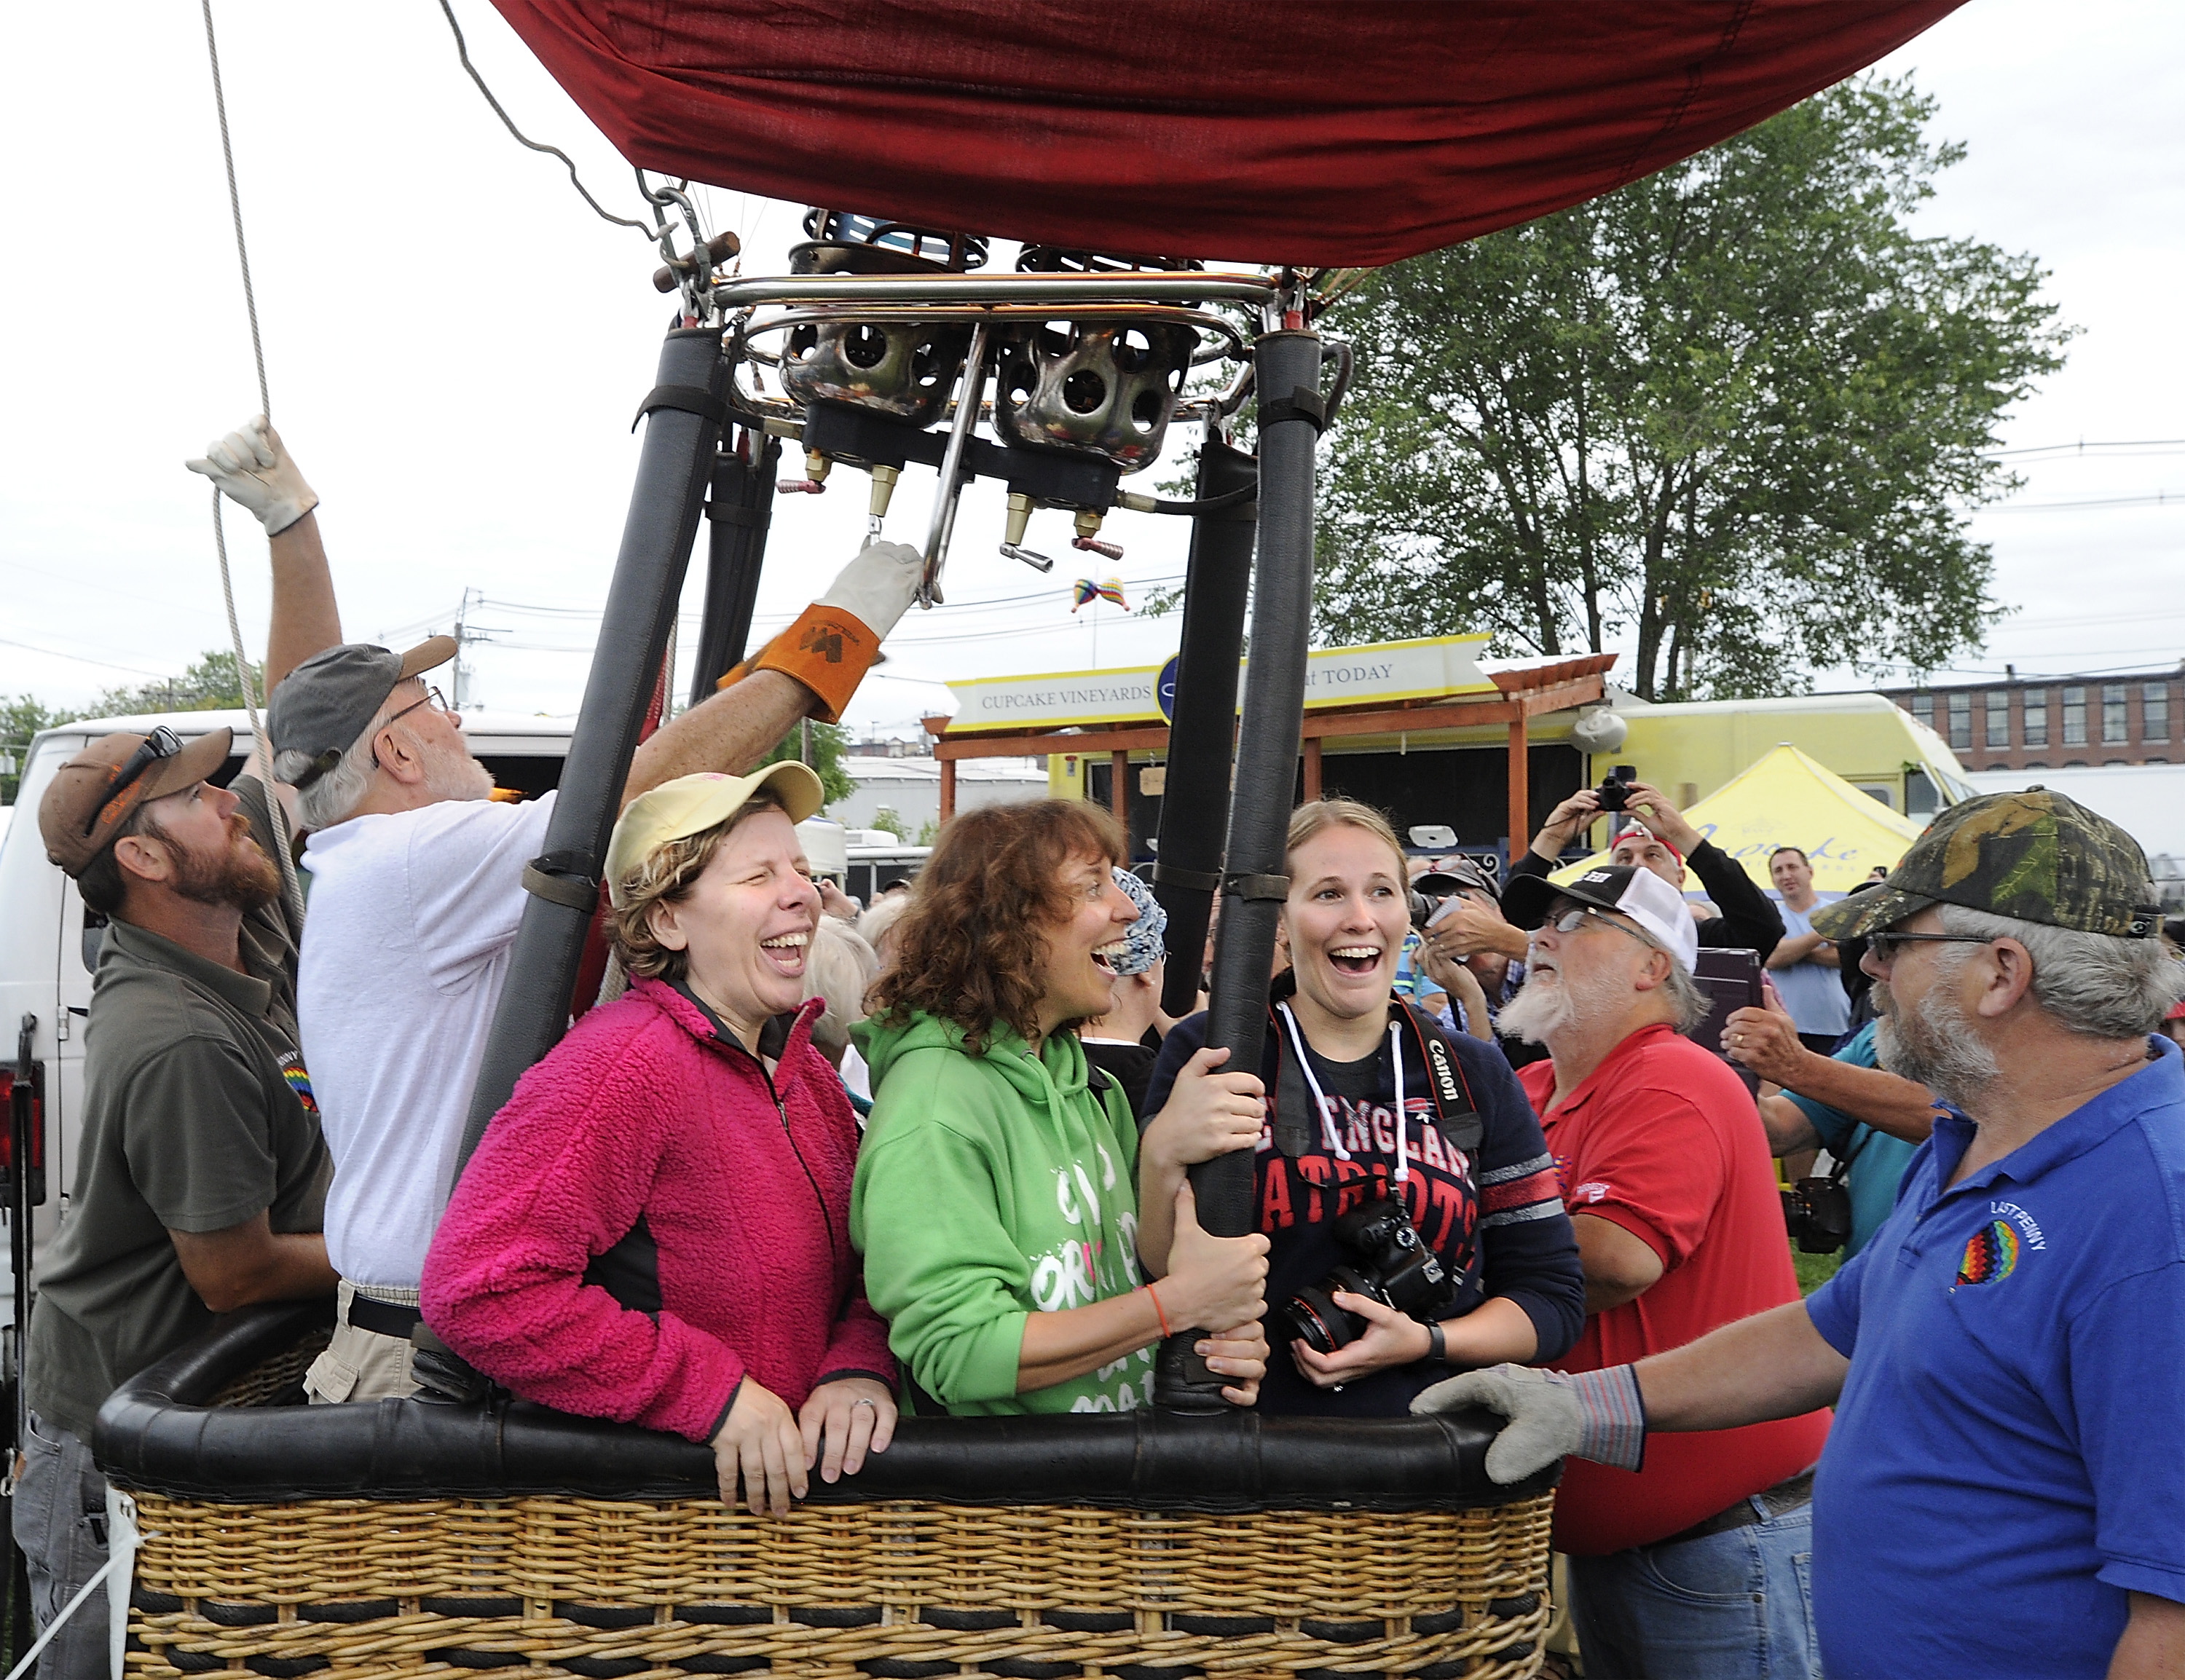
(691, 804)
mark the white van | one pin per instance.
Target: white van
(46, 957)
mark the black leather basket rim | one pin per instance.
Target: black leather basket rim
(157, 1434)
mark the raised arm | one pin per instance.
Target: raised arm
(254, 469)
(814, 666)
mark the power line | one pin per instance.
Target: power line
(2085, 448)
(2159, 498)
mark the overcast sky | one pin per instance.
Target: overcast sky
(456, 347)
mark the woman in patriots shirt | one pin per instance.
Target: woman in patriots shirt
(1360, 1098)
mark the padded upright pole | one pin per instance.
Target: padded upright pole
(672, 474)
(1195, 816)
(738, 512)
(1286, 367)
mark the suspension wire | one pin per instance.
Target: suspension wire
(463, 52)
(292, 899)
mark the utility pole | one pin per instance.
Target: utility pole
(466, 633)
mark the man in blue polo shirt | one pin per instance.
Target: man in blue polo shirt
(2004, 1488)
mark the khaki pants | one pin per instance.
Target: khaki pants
(359, 1364)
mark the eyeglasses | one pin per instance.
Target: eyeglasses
(1886, 946)
(1572, 920)
(162, 743)
(432, 698)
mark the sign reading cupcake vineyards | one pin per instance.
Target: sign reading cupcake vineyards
(1381, 674)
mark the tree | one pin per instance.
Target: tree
(889, 820)
(21, 717)
(1736, 412)
(828, 740)
(208, 685)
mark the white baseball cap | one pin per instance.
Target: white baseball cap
(1641, 894)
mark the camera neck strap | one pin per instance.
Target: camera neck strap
(1300, 1109)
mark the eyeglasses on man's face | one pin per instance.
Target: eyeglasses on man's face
(1889, 945)
(1570, 920)
(432, 698)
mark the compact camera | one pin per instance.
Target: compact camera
(1394, 1266)
(1612, 791)
(1817, 1213)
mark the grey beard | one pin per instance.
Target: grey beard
(1932, 1044)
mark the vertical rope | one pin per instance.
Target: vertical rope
(291, 895)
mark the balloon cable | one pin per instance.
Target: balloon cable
(291, 895)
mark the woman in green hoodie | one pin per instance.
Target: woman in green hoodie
(996, 1200)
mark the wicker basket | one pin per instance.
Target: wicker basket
(232, 1576)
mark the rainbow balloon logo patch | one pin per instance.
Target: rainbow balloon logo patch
(1991, 1254)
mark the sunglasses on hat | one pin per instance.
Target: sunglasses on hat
(162, 743)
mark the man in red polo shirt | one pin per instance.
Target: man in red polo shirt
(1693, 1566)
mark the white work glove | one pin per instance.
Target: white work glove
(1595, 1415)
(253, 467)
(878, 586)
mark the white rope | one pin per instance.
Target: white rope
(30, 1656)
(290, 896)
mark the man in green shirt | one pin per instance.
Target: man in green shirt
(201, 1176)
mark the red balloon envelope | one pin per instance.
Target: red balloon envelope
(1326, 133)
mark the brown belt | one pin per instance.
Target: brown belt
(1781, 1500)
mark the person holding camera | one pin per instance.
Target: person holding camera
(1871, 1122)
(1664, 842)
(1694, 1566)
(995, 1201)
(1400, 1176)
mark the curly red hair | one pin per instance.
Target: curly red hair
(970, 948)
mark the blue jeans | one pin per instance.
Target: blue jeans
(59, 1520)
(1737, 1605)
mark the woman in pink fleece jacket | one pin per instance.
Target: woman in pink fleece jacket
(655, 1229)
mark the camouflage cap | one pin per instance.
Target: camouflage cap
(2035, 855)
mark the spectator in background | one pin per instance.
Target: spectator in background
(1803, 966)
(2173, 1025)
(1872, 1121)
(877, 924)
(1665, 843)
(1469, 932)
(839, 969)
(1123, 1042)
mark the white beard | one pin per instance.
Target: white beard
(1538, 1013)
(1932, 1044)
(451, 773)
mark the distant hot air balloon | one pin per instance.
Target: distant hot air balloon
(1085, 589)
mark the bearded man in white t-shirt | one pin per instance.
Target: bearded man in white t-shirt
(416, 885)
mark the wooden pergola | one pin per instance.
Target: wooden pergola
(1524, 690)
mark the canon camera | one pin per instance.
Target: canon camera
(1817, 1213)
(1392, 1266)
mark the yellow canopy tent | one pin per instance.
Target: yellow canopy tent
(1787, 799)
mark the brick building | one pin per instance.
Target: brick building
(2052, 722)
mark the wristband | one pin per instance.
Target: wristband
(1437, 1343)
(1613, 1415)
(1158, 1315)
(826, 649)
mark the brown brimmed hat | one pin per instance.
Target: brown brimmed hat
(322, 706)
(93, 794)
(2035, 855)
